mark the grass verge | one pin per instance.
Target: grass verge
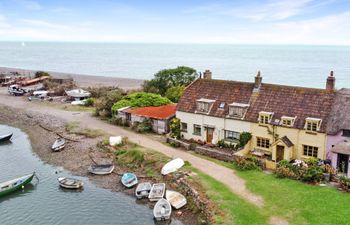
(74, 128)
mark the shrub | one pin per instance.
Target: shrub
(312, 161)
(247, 163)
(89, 102)
(285, 172)
(41, 74)
(174, 93)
(175, 128)
(223, 144)
(313, 174)
(104, 103)
(244, 138)
(142, 127)
(344, 182)
(192, 146)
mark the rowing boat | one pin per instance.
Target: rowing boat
(143, 190)
(101, 169)
(70, 183)
(176, 199)
(129, 180)
(15, 184)
(157, 192)
(6, 137)
(162, 210)
(58, 145)
(172, 166)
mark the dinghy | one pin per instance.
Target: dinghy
(176, 199)
(101, 169)
(143, 190)
(15, 184)
(58, 145)
(6, 137)
(162, 210)
(70, 183)
(129, 180)
(172, 166)
(16, 90)
(157, 192)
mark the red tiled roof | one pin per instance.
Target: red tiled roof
(155, 112)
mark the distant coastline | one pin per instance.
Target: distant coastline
(83, 80)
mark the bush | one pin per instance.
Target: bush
(313, 174)
(244, 138)
(174, 93)
(89, 102)
(175, 128)
(41, 74)
(104, 103)
(223, 144)
(344, 182)
(57, 88)
(247, 163)
(142, 127)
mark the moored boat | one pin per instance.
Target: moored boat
(70, 183)
(157, 192)
(15, 184)
(129, 180)
(172, 166)
(143, 190)
(162, 210)
(6, 137)
(101, 169)
(58, 145)
(176, 199)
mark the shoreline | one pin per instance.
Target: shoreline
(36, 126)
(83, 80)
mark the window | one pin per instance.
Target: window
(265, 117)
(197, 130)
(262, 142)
(312, 124)
(310, 151)
(231, 135)
(346, 133)
(184, 127)
(237, 109)
(203, 105)
(222, 105)
(287, 121)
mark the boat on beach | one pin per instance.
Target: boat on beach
(143, 190)
(162, 210)
(70, 183)
(10, 186)
(101, 169)
(176, 199)
(129, 180)
(16, 90)
(157, 192)
(5, 137)
(172, 166)
(58, 145)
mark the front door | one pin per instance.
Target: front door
(279, 153)
(343, 162)
(210, 133)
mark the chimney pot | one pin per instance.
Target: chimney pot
(207, 75)
(258, 80)
(330, 85)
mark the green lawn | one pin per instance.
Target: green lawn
(297, 202)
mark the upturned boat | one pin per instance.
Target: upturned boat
(101, 169)
(70, 183)
(6, 137)
(172, 166)
(58, 145)
(162, 210)
(10, 186)
(157, 192)
(129, 180)
(176, 199)
(143, 190)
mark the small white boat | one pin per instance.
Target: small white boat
(16, 90)
(162, 210)
(143, 190)
(117, 140)
(101, 169)
(58, 145)
(78, 94)
(176, 199)
(70, 183)
(172, 166)
(157, 192)
(129, 180)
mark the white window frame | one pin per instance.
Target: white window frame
(240, 108)
(312, 121)
(233, 136)
(269, 116)
(204, 105)
(287, 118)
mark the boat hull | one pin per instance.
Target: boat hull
(129, 180)
(5, 137)
(108, 170)
(17, 187)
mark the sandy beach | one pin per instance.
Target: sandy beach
(83, 80)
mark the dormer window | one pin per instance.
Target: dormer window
(287, 121)
(237, 110)
(312, 124)
(265, 117)
(222, 105)
(204, 105)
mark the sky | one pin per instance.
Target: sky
(318, 22)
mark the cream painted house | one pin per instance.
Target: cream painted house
(286, 122)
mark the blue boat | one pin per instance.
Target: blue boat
(129, 180)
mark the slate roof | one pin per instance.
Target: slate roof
(339, 118)
(287, 141)
(155, 112)
(281, 100)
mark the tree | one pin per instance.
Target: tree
(140, 99)
(104, 103)
(41, 74)
(174, 93)
(167, 78)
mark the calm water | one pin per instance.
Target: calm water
(285, 64)
(47, 204)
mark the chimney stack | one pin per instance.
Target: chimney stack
(330, 85)
(207, 75)
(258, 80)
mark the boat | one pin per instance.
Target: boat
(15, 184)
(78, 94)
(58, 145)
(176, 199)
(70, 183)
(101, 169)
(172, 166)
(129, 180)
(157, 192)
(5, 137)
(143, 190)
(162, 210)
(16, 90)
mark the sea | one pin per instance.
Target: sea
(301, 65)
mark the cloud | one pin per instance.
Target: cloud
(29, 4)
